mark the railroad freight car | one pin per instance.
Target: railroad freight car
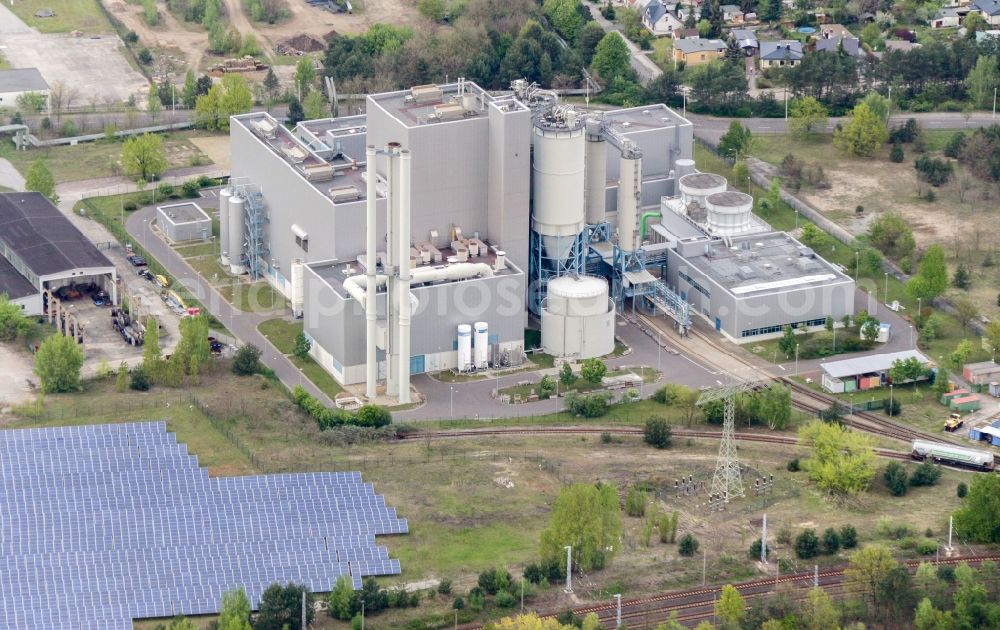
(946, 454)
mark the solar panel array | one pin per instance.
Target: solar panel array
(103, 524)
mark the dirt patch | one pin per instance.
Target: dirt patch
(17, 377)
(303, 43)
(215, 147)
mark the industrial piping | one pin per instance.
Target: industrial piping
(371, 314)
(403, 288)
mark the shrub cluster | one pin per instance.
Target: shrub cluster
(809, 545)
(367, 416)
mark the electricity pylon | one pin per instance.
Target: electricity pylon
(728, 480)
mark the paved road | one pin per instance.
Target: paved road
(641, 63)
(240, 323)
(10, 177)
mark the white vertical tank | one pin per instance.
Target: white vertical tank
(629, 194)
(235, 237)
(464, 348)
(224, 196)
(683, 167)
(481, 348)
(578, 318)
(558, 183)
(597, 172)
(298, 288)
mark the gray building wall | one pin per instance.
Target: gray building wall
(509, 190)
(188, 231)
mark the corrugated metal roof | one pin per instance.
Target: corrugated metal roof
(870, 363)
(22, 80)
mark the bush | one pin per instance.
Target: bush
(533, 573)
(895, 479)
(848, 537)
(145, 57)
(962, 490)
(806, 544)
(892, 406)
(247, 360)
(946, 573)
(896, 153)
(165, 190)
(793, 465)
(593, 370)
(955, 146)
(934, 171)
(139, 380)
(190, 189)
(687, 545)
(131, 37)
(444, 587)
(926, 547)
(831, 541)
(784, 535)
(505, 600)
(657, 432)
(754, 551)
(926, 474)
(635, 502)
(589, 406)
(494, 580)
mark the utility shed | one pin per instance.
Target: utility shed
(14, 83)
(40, 249)
(981, 373)
(864, 372)
(986, 433)
(184, 222)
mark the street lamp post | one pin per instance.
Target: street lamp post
(887, 287)
(890, 401)
(618, 611)
(796, 359)
(452, 404)
(911, 335)
(857, 264)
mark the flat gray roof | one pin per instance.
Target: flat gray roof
(649, 117)
(43, 237)
(187, 212)
(764, 262)
(870, 363)
(412, 113)
(22, 80)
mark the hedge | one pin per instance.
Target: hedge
(367, 416)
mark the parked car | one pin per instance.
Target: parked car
(147, 274)
(136, 260)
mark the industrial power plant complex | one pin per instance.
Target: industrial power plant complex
(427, 234)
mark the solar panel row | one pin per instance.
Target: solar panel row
(102, 524)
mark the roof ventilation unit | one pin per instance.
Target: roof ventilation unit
(265, 127)
(344, 193)
(426, 94)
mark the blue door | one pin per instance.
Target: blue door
(718, 324)
(417, 364)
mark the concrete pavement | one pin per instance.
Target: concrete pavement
(10, 177)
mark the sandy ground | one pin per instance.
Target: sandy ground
(17, 376)
(216, 148)
(92, 67)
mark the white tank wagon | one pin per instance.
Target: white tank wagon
(947, 454)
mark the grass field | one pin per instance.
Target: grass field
(70, 15)
(580, 385)
(197, 250)
(258, 296)
(90, 160)
(282, 334)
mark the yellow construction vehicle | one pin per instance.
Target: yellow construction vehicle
(954, 422)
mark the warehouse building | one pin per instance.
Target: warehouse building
(40, 249)
(867, 372)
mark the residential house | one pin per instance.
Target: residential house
(989, 9)
(658, 20)
(746, 39)
(900, 44)
(686, 33)
(946, 18)
(698, 51)
(731, 14)
(781, 54)
(982, 36)
(852, 45)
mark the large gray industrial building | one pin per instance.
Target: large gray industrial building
(491, 197)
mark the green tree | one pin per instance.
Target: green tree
(611, 57)
(302, 346)
(932, 275)
(588, 518)
(153, 104)
(151, 353)
(818, 611)
(546, 386)
(991, 337)
(635, 502)
(896, 153)
(657, 432)
(342, 598)
(731, 608)
(281, 607)
(235, 611)
(896, 479)
(587, 40)
(305, 76)
(842, 461)
(978, 520)
(864, 134)
(139, 379)
(868, 568)
(770, 10)
(247, 360)
(961, 278)
(736, 142)
(566, 375)
(295, 113)
(13, 323)
(57, 363)
(236, 98)
(906, 370)
(787, 342)
(143, 157)
(314, 106)
(982, 80)
(121, 381)
(806, 116)
(807, 544)
(189, 93)
(891, 234)
(565, 17)
(181, 623)
(687, 545)
(39, 179)
(871, 35)
(593, 370)
(31, 102)
(271, 84)
(879, 105)
(434, 10)
(926, 474)
(831, 541)
(961, 353)
(772, 406)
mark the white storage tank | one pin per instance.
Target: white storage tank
(224, 196)
(235, 241)
(298, 288)
(464, 348)
(558, 183)
(694, 187)
(596, 159)
(728, 212)
(481, 346)
(683, 167)
(629, 195)
(578, 318)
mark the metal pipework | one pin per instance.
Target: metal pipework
(371, 313)
(403, 288)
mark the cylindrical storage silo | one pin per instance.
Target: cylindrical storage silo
(578, 318)
(694, 187)
(298, 287)
(236, 228)
(728, 212)
(224, 196)
(558, 184)
(481, 347)
(683, 167)
(596, 159)
(464, 348)
(629, 194)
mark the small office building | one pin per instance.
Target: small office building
(863, 373)
(184, 222)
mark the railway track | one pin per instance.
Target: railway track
(694, 605)
(680, 433)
